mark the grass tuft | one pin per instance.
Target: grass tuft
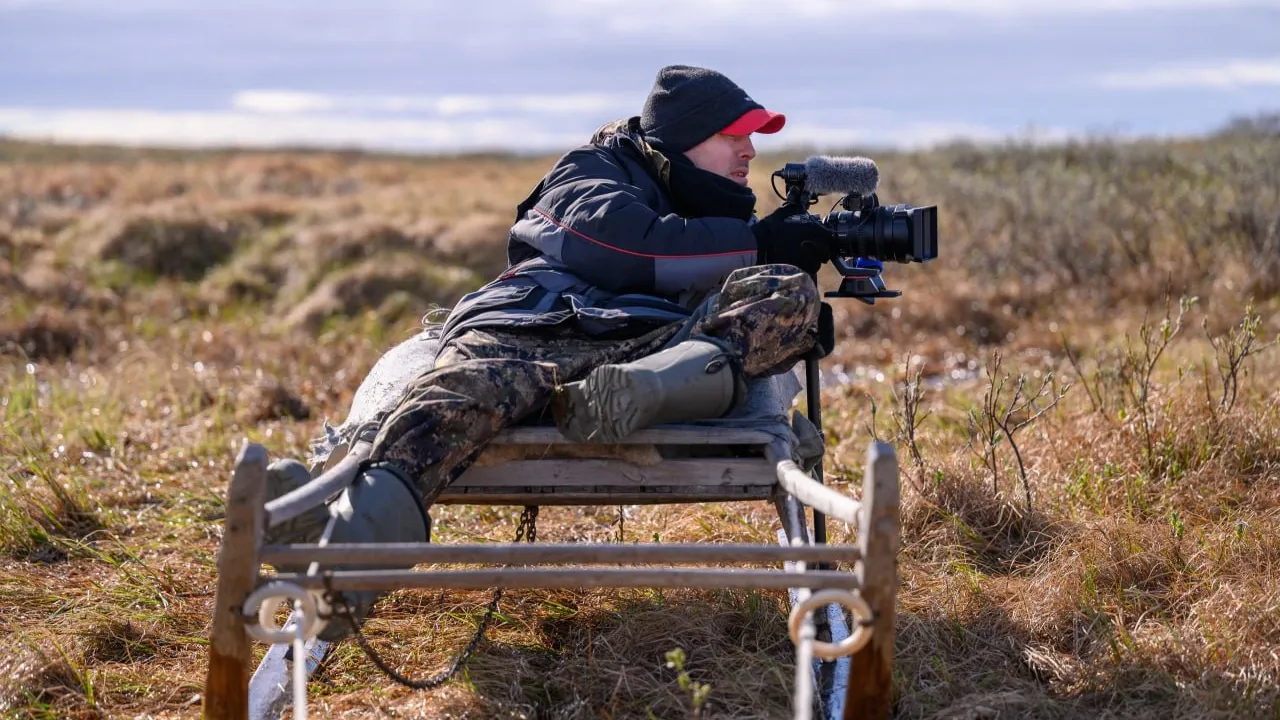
(44, 683)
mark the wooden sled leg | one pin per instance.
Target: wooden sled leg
(226, 686)
(871, 672)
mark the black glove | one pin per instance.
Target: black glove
(790, 236)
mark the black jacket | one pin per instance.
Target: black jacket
(598, 243)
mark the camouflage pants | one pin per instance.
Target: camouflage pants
(487, 380)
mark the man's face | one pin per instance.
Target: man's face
(725, 155)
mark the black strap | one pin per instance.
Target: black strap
(826, 330)
(526, 531)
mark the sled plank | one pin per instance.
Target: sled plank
(662, 435)
(713, 472)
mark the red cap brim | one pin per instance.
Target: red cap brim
(756, 120)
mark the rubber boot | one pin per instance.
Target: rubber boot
(694, 380)
(283, 477)
(379, 507)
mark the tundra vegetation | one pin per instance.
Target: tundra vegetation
(1084, 391)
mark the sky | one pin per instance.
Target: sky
(540, 75)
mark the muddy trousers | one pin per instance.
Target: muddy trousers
(487, 380)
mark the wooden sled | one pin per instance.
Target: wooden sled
(536, 466)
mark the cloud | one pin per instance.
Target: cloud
(290, 101)
(908, 135)
(1222, 75)
(671, 14)
(830, 9)
(283, 126)
(682, 15)
(281, 101)
(233, 128)
(116, 7)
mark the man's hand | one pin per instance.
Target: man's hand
(790, 236)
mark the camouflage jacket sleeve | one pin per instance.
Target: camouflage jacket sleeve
(603, 215)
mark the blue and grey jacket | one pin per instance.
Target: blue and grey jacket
(598, 244)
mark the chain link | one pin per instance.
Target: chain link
(526, 531)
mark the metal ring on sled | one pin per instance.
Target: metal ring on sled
(266, 600)
(861, 621)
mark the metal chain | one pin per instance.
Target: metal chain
(526, 531)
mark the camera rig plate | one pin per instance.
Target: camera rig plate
(860, 283)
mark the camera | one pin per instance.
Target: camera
(892, 233)
(865, 233)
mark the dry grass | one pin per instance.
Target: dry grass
(158, 308)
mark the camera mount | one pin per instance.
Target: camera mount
(861, 281)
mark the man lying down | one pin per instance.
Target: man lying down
(641, 289)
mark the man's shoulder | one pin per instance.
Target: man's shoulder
(614, 148)
(612, 157)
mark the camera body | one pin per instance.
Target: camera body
(865, 233)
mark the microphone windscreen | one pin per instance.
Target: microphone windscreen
(840, 175)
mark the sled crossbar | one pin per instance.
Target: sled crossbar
(567, 553)
(552, 471)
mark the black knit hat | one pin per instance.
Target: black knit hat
(690, 104)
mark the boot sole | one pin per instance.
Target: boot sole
(605, 407)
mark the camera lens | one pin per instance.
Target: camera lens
(894, 233)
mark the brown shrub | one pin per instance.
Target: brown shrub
(52, 219)
(117, 641)
(425, 233)
(38, 682)
(272, 400)
(46, 335)
(10, 283)
(1114, 567)
(279, 174)
(374, 282)
(292, 266)
(961, 511)
(68, 288)
(1137, 563)
(349, 240)
(260, 212)
(246, 279)
(23, 243)
(1243, 614)
(168, 244)
(478, 241)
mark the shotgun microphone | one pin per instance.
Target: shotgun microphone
(824, 175)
